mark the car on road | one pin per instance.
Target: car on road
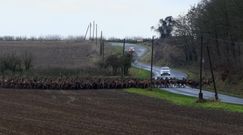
(131, 49)
(165, 71)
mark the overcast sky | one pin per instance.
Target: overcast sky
(117, 18)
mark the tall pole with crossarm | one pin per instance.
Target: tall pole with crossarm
(93, 31)
(201, 64)
(212, 73)
(152, 59)
(90, 32)
(123, 54)
(96, 38)
(86, 32)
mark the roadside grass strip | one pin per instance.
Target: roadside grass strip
(139, 73)
(186, 100)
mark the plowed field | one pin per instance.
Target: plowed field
(33, 112)
(53, 54)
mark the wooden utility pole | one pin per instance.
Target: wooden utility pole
(211, 68)
(152, 59)
(201, 65)
(96, 34)
(90, 36)
(101, 48)
(123, 54)
(93, 30)
(86, 32)
(124, 46)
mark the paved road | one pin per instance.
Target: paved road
(141, 51)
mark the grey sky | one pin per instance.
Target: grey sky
(117, 18)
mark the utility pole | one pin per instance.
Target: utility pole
(152, 59)
(96, 35)
(101, 48)
(124, 45)
(211, 68)
(90, 36)
(93, 30)
(123, 54)
(86, 32)
(201, 64)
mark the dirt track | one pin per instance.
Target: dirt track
(106, 112)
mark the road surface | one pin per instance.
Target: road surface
(188, 91)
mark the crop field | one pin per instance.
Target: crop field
(38, 112)
(53, 54)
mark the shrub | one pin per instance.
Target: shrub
(116, 63)
(27, 61)
(13, 63)
(10, 62)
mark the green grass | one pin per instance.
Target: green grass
(186, 100)
(222, 87)
(191, 73)
(139, 73)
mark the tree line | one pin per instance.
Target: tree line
(41, 38)
(217, 24)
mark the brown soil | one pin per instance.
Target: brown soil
(53, 54)
(106, 112)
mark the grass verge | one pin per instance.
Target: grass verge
(186, 100)
(191, 73)
(139, 73)
(222, 87)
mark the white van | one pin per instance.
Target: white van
(165, 71)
